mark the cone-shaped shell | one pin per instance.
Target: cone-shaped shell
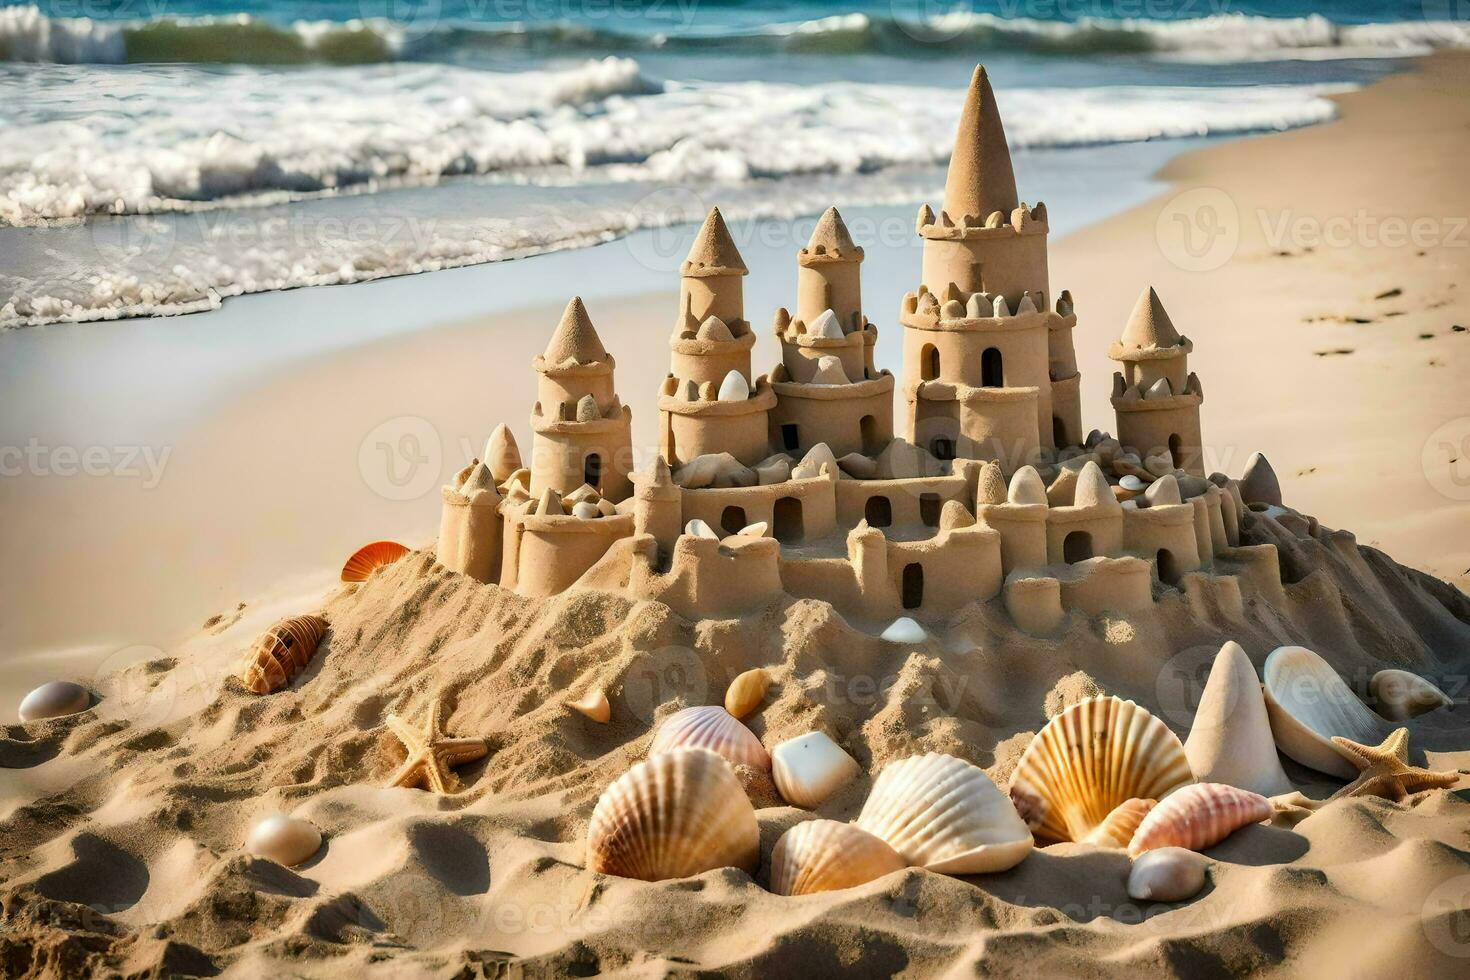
(1401, 695)
(369, 557)
(1167, 874)
(678, 814)
(1118, 827)
(825, 855)
(945, 814)
(1230, 740)
(747, 691)
(1258, 484)
(1089, 759)
(825, 325)
(1308, 704)
(711, 727)
(593, 705)
(281, 653)
(1198, 817)
(809, 768)
(734, 388)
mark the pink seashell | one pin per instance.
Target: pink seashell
(1198, 816)
(711, 727)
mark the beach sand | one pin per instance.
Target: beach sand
(120, 829)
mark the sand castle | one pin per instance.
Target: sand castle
(793, 482)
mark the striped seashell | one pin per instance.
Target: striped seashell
(281, 653)
(1199, 816)
(826, 855)
(746, 692)
(1168, 874)
(369, 557)
(711, 727)
(945, 814)
(1308, 703)
(1088, 760)
(678, 814)
(1118, 827)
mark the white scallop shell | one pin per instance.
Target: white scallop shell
(1168, 874)
(285, 840)
(710, 726)
(1090, 759)
(1308, 704)
(1401, 695)
(825, 855)
(945, 814)
(809, 768)
(678, 814)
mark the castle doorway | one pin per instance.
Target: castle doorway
(790, 436)
(1176, 451)
(942, 447)
(879, 512)
(786, 520)
(1168, 567)
(992, 370)
(1058, 432)
(929, 362)
(913, 585)
(868, 428)
(592, 471)
(930, 506)
(733, 519)
(1076, 546)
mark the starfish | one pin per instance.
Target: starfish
(432, 755)
(1385, 769)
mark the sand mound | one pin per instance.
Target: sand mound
(120, 851)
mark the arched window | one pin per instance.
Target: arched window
(1076, 546)
(1168, 567)
(942, 447)
(992, 371)
(879, 512)
(1176, 451)
(786, 518)
(913, 585)
(790, 436)
(929, 362)
(733, 519)
(592, 471)
(930, 507)
(868, 429)
(1058, 432)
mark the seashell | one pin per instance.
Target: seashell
(734, 388)
(281, 653)
(1167, 874)
(1118, 827)
(1230, 740)
(586, 510)
(1401, 695)
(1199, 816)
(1097, 754)
(746, 692)
(593, 705)
(54, 699)
(809, 768)
(700, 529)
(285, 840)
(711, 727)
(904, 629)
(827, 855)
(945, 814)
(677, 814)
(369, 557)
(1308, 704)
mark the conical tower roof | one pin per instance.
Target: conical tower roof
(980, 179)
(831, 237)
(1149, 326)
(575, 338)
(714, 252)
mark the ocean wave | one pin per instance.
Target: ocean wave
(28, 35)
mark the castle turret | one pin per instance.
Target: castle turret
(1155, 397)
(583, 431)
(658, 508)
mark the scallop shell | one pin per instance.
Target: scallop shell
(281, 653)
(711, 727)
(945, 814)
(369, 557)
(1118, 827)
(1308, 704)
(825, 855)
(678, 814)
(1401, 695)
(746, 692)
(593, 705)
(809, 768)
(1168, 874)
(1198, 817)
(1088, 760)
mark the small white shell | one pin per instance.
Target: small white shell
(905, 630)
(825, 855)
(1401, 695)
(699, 529)
(945, 814)
(1169, 874)
(54, 699)
(1308, 704)
(285, 840)
(809, 768)
(710, 726)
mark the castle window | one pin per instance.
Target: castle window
(913, 585)
(790, 436)
(1168, 567)
(930, 506)
(1058, 432)
(868, 427)
(1076, 547)
(879, 512)
(942, 447)
(992, 372)
(733, 519)
(786, 520)
(592, 471)
(1176, 451)
(929, 362)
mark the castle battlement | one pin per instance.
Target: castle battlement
(997, 225)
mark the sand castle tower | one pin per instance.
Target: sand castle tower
(827, 389)
(708, 403)
(583, 432)
(989, 371)
(1155, 396)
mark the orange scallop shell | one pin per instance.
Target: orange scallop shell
(1199, 816)
(281, 653)
(369, 557)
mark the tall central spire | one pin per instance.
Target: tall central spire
(980, 176)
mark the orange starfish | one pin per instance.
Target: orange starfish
(1385, 770)
(432, 755)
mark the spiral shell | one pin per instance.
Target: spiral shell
(1199, 816)
(1088, 760)
(711, 727)
(811, 767)
(369, 557)
(825, 855)
(945, 814)
(678, 814)
(1308, 704)
(746, 692)
(281, 653)
(1118, 827)
(1168, 874)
